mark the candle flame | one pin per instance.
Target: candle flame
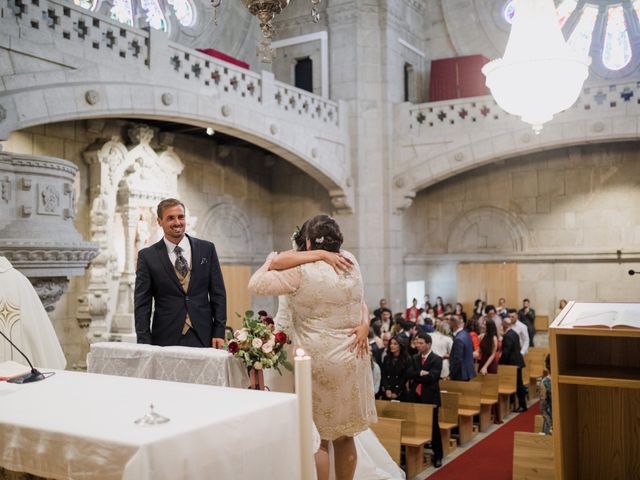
(300, 352)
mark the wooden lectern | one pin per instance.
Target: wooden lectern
(595, 369)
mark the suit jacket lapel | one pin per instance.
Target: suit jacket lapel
(161, 249)
(195, 260)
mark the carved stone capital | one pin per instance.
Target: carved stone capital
(49, 289)
(141, 134)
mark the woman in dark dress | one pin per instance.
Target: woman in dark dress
(394, 371)
(488, 362)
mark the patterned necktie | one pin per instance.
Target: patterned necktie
(182, 266)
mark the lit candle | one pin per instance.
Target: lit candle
(305, 413)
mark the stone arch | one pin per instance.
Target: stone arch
(228, 227)
(488, 230)
(467, 150)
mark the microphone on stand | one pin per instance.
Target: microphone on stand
(33, 376)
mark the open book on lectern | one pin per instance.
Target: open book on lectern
(606, 319)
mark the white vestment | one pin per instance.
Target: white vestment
(24, 320)
(374, 463)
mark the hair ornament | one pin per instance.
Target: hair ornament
(319, 240)
(296, 234)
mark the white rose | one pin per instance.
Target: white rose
(267, 347)
(257, 365)
(242, 334)
(256, 343)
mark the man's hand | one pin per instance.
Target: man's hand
(339, 263)
(360, 344)
(217, 343)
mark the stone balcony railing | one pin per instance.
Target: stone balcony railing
(437, 140)
(81, 33)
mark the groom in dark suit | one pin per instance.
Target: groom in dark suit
(180, 278)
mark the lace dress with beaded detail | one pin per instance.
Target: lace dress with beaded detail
(325, 307)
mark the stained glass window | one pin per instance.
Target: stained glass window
(616, 52)
(154, 14)
(184, 11)
(122, 11)
(88, 4)
(565, 9)
(580, 39)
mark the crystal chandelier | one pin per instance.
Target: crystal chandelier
(539, 75)
(266, 11)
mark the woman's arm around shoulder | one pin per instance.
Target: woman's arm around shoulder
(272, 282)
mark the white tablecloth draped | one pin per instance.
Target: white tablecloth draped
(81, 426)
(205, 366)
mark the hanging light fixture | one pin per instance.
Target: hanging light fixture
(266, 11)
(539, 75)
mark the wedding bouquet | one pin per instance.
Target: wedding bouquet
(257, 343)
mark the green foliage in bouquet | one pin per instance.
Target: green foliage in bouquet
(257, 343)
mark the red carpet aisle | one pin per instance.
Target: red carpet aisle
(492, 458)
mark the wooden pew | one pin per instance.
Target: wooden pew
(538, 422)
(533, 456)
(507, 386)
(389, 432)
(448, 419)
(470, 401)
(489, 398)
(535, 361)
(416, 429)
(541, 323)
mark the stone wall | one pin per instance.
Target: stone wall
(235, 185)
(569, 217)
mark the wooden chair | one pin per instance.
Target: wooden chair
(416, 430)
(470, 402)
(507, 386)
(489, 398)
(448, 419)
(533, 456)
(389, 432)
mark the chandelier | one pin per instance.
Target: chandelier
(266, 11)
(539, 74)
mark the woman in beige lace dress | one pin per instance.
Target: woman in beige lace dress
(327, 310)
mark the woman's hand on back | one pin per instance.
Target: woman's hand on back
(340, 263)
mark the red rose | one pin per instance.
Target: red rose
(262, 313)
(281, 338)
(233, 347)
(267, 320)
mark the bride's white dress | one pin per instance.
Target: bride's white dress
(374, 462)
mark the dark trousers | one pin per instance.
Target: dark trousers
(521, 391)
(436, 439)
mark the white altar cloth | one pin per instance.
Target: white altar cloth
(206, 366)
(80, 426)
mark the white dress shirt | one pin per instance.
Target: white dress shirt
(521, 329)
(441, 346)
(184, 244)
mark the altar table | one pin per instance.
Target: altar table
(81, 426)
(206, 366)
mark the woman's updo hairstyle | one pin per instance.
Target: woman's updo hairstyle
(324, 233)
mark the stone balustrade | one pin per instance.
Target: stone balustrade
(437, 140)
